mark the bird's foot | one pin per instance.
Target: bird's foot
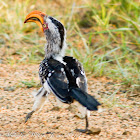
(82, 130)
(93, 131)
(28, 116)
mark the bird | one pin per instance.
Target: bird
(60, 75)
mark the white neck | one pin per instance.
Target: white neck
(52, 47)
(56, 44)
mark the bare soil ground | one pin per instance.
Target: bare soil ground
(118, 118)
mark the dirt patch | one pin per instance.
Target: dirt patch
(118, 117)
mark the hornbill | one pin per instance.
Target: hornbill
(61, 75)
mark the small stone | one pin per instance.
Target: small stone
(79, 116)
(9, 88)
(58, 118)
(126, 133)
(109, 83)
(49, 133)
(94, 131)
(123, 91)
(56, 108)
(57, 127)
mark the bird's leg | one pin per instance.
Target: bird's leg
(28, 116)
(87, 123)
(40, 98)
(86, 128)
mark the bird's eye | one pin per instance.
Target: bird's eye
(44, 25)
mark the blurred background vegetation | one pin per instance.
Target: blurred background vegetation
(103, 34)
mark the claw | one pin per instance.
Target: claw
(82, 130)
(28, 116)
(93, 131)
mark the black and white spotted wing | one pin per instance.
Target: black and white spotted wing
(59, 76)
(77, 71)
(52, 72)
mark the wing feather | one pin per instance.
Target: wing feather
(56, 78)
(78, 72)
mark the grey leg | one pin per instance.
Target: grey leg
(87, 123)
(86, 128)
(28, 116)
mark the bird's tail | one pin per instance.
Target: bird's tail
(84, 98)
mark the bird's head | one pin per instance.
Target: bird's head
(38, 18)
(52, 28)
